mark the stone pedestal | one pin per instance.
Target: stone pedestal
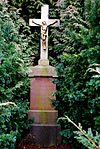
(46, 135)
(44, 128)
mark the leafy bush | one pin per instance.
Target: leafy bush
(77, 47)
(13, 120)
(88, 139)
(14, 82)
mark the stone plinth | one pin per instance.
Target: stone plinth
(43, 116)
(46, 134)
(43, 70)
(41, 111)
(42, 87)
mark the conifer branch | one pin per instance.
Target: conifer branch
(7, 103)
(96, 147)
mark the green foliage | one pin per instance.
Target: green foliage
(82, 139)
(12, 123)
(77, 49)
(92, 11)
(14, 82)
(13, 67)
(88, 139)
(74, 50)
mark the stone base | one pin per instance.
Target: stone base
(43, 116)
(46, 134)
(43, 71)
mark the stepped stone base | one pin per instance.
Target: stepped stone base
(44, 130)
(43, 116)
(46, 134)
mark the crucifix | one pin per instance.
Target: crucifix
(44, 23)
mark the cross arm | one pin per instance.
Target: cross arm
(35, 22)
(54, 22)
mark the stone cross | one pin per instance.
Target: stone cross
(44, 23)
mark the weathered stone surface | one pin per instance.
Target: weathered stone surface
(43, 71)
(43, 116)
(41, 91)
(43, 62)
(46, 134)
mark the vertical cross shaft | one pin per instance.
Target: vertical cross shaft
(44, 16)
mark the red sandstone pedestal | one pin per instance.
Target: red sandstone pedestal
(44, 129)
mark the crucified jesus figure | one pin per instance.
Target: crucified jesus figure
(44, 27)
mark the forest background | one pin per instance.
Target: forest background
(74, 49)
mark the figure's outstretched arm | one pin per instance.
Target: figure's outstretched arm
(53, 23)
(36, 23)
